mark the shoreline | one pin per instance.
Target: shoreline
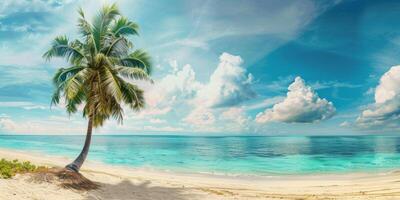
(117, 181)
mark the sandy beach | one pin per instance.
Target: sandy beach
(119, 183)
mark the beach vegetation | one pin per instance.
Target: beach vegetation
(8, 169)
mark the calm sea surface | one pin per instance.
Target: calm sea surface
(227, 155)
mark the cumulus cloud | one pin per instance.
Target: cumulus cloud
(181, 83)
(176, 88)
(386, 109)
(301, 105)
(229, 85)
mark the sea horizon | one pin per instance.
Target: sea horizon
(204, 135)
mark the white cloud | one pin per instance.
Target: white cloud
(174, 65)
(200, 117)
(43, 126)
(23, 105)
(154, 111)
(157, 121)
(173, 89)
(181, 83)
(265, 103)
(282, 82)
(236, 115)
(333, 84)
(302, 105)
(136, 126)
(388, 88)
(163, 128)
(386, 109)
(229, 84)
(345, 124)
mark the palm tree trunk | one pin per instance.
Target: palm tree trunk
(78, 162)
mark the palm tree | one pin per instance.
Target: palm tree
(100, 72)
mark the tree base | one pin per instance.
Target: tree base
(65, 178)
(72, 168)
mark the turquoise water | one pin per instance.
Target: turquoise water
(227, 155)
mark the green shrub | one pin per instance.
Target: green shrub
(8, 169)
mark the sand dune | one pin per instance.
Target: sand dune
(118, 183)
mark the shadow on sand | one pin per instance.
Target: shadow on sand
(126, 190)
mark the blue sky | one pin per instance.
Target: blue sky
(220, 67)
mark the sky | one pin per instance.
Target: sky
(228, 67)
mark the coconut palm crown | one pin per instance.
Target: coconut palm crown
(101, 63)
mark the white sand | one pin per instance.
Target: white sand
(119, 183)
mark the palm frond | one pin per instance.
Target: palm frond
(133, 73)
(63, 74)
(73, 103)
(116, 111)
(61, 47)
(123, 27)
(139, 59)
(84, 26)
(59, 81)
(133, 96)
(102, 22)
(76, 83)
(99, 119)
(117, 47)
(108, 77)
(55, 98)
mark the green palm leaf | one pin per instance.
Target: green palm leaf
(139, 59)
(118, 47)
(102, 22)
(63, 74)
(123, 27)
(61, 47)
(133, 96)
(133, 73)
(84, 26)
(75, 83)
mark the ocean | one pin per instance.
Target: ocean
(236, 155)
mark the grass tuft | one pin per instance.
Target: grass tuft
(8, 169)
